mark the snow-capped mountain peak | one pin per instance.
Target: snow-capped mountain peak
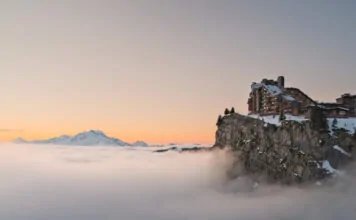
(86, 138)
(97, 132)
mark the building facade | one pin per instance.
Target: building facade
(271, 97)
(348, 101)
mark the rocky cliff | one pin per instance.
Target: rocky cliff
(289, 153)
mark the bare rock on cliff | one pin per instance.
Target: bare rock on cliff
(290, 153)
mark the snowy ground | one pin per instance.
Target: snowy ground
(274, 119)
(346, 123)
(40, 182)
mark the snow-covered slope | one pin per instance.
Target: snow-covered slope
(87, 138)
(274, 119)
(347, 123)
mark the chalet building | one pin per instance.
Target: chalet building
(335, 110)
(348, 101)
(271, 97)
(304, 100)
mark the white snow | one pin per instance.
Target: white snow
(88, 138)
(274, 119)
(342, 151)
(313, 162)
(327, 166)
(346, 123)
(273, 90)
(288, 97)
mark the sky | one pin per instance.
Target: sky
(162, 70)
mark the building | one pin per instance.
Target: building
(335, 110)
(271, 97)
(349, 101)
(304, 100)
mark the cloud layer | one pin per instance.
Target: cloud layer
(87, 183)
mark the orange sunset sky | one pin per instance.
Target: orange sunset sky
(161, 71)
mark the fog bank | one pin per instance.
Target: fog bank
(86, 183)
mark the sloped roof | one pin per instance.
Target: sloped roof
(273, 90)
(296, 89)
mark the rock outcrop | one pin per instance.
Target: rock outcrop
(293, 152)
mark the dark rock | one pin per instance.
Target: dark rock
(186, 149)
(291, 153)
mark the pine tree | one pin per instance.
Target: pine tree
(227, 111)
(232, 111)
(334, 125)
(282, 117)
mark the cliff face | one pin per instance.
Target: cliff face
(290, 153)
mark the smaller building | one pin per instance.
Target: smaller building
(348, 101)
(302, 98)
(334, 110)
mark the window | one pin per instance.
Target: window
(342, 113)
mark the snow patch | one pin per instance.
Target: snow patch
(288, 97)
(348, 124)
(327, 166)
(274, 119)
(342, 151)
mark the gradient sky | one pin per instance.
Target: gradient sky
(162, 70)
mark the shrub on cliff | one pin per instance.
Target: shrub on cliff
(227, 111)
(282, 117)
(334, 125)
(232, 111)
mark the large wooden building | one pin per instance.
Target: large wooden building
(271, 97)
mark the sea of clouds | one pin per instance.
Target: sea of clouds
(44, 182)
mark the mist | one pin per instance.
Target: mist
(86, 183)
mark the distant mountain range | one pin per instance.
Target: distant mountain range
(87, 138)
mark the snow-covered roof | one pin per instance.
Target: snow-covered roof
(288, 97)
(273, 90)
(342, 151)
(332, 106)
(342, 108)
